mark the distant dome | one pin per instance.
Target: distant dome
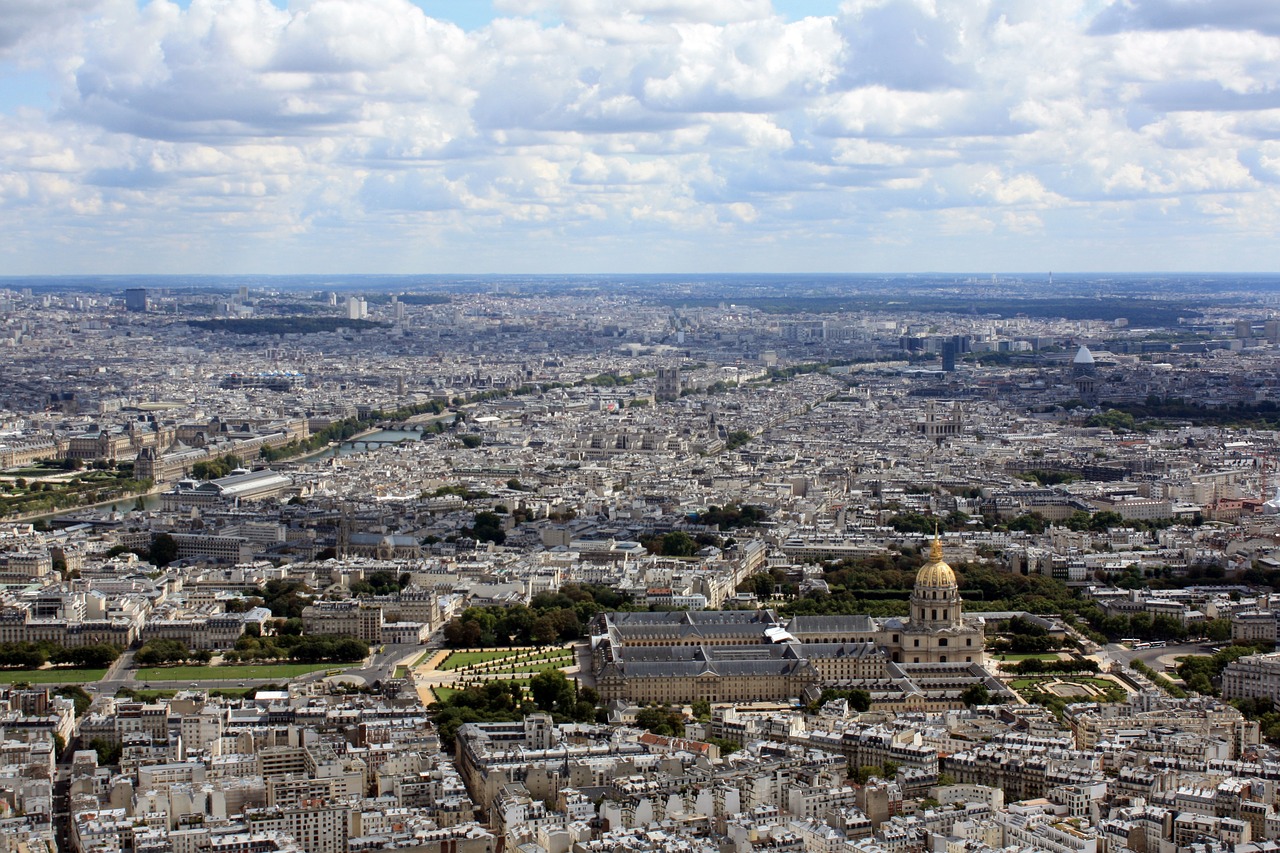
(1083, 356)
(935, 573)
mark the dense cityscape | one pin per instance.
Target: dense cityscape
(821, 564)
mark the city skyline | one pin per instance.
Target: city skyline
(594, 136)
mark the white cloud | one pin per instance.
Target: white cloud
(649, 133)
(21, 20)
(1260, 15)
(708, 11)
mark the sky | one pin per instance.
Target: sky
(645, 136)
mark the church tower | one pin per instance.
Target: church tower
(935, 601)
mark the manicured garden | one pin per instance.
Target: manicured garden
(1057, 691)
(525, 667)
(460, 660)
(64, 490)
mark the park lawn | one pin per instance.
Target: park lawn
(1024, 683)
(442, 694)
(522, 681)
(524, 668)
(457, 660)
(51, 676)
(232, 672)
(550, 657)
(504, 663)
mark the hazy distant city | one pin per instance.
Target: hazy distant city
(816, 563)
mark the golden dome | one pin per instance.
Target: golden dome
(936, 573)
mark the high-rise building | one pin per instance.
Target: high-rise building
(949, 356)
(135, 299)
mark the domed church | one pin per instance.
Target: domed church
(935, 631)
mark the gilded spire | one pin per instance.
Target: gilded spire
(935, 550)
(935, 573)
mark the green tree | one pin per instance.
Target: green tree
(1218, 630)
(163, 550)
(976, 694)
(544, 631)
(78, 695)
(661, 721)
(108, 753)
(762, 585)
(155, 652)
(1112, 419)
(1032, 522)
(487, 527)
(678, 544)
(552, 692)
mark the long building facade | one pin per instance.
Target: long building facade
(733, 656)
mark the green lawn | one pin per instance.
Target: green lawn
(458, 660)
(232, 673)
(536, 659)
(443, 693)
(51, 676)
(524, 668)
